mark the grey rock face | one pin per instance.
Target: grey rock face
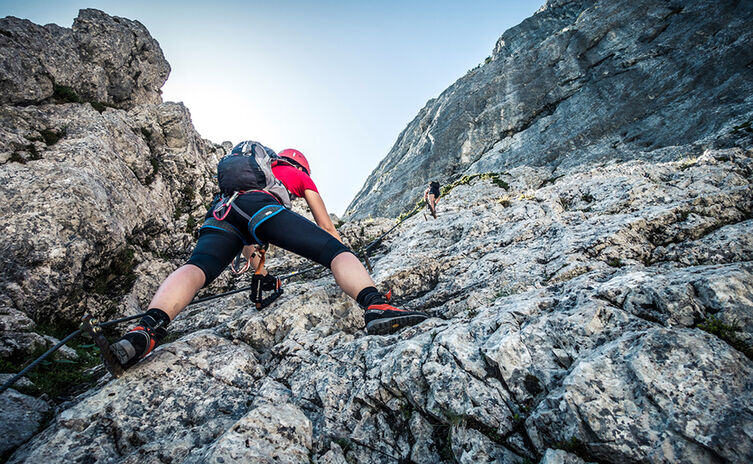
(560, 457)
(103, 184)
(20, 418)
(581, 82)
(17, 338)
(565, 328)
(660, 380)
(88, 212)
(209, 398)
(267, 434)
(103, 59)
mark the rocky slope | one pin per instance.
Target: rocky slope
(582, 81)
(599, 313)
(571, 322)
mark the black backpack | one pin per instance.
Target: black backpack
(248, 166)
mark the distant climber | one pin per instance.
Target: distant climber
(431, 197)
(256, 185)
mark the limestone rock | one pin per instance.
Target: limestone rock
(267, 434)
(102, 59)
(17, 337)
(23, 382)
(131, 421)
(333, 456)
(85, 210)
(20, 418)
(658, 396)
(555, 325)
(14, 320)
(560, 457)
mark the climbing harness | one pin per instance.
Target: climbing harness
(261, 216)
(220, 212)
(212, 223)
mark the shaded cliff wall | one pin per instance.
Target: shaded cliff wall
(581, 82)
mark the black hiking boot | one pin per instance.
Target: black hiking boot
(141, 340)
(136, 344)
(384, 319)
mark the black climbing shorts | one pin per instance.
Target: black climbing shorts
(434, 192)
(218, 246)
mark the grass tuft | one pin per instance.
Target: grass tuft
(574, 446)
(102, 106)
(65, 93)
(688, 163)
(615, 262)
(17, 158)
(190, 224)
(51, 137)
(345, 444)
(728, 333)
(744, 127)
(55, 377)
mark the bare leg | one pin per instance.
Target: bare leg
(433, 204)
(178, 290)
(350, 274)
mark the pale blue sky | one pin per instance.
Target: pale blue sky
(337, 80)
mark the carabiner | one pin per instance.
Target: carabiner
(236, 260)
(221, 205)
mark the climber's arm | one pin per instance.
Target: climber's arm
(321, 216)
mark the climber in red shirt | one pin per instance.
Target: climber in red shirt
(257, 217)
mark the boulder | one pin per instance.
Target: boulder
(21, 416)
(106, 60)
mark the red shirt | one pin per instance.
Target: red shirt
(294, 180)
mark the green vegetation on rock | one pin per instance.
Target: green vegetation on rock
(57, 377)
(65, 93)
(728, 333)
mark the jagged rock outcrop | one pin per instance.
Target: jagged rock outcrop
(102, 59)
(582, 82)
(571, 323)
(88, 208)
(102, 183)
